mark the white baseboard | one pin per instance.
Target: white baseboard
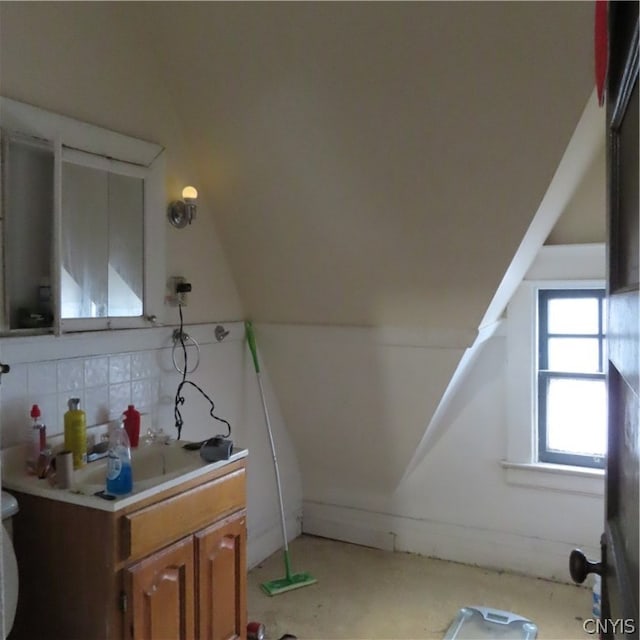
(327, 523)
(504, 551)
(265, 541)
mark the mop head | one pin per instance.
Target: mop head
(293, 581)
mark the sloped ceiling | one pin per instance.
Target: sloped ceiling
(373, 163)
(584, 219)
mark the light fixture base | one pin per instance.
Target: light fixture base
(181, 213)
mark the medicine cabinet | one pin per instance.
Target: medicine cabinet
(82, 225)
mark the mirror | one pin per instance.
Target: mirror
(28, 192)
(82, 224)
(102, 243)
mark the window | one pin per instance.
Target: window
(565, 270)
(570, 375)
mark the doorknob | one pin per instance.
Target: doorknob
(580, 567)
(4, 368)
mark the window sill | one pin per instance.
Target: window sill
(555, 477)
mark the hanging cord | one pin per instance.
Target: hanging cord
(180, 400)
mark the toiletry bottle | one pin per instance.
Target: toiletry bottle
(35, 440)
(75, 433)
(132, 425)
(119, 476)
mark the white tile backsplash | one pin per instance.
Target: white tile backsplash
(144, 393)
(14, 384)
(119, 399)
(49, 412)
(106, 370)
(96, 404)
(144, 364)
(70, 375)
(96, 372)
(119, 368)
(41, 378)
(15, 402)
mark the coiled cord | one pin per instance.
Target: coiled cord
(180, 400)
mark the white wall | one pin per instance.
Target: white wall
(457, 504)
(474, 515)
(459, 501)
(108, 370)
(356, 401)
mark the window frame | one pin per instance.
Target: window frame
(544, 374)
(580, 266)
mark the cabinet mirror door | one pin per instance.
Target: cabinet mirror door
(102, 231)
(82, 220)
(27, 231)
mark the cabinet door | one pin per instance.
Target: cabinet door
(160, 594)
(222, 580)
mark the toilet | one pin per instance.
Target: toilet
(9, 564)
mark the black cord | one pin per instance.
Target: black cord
(180, 400)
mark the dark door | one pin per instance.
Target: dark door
(619, 562)
(620, 552)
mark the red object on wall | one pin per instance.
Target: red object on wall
(132, 425)
(601, 48)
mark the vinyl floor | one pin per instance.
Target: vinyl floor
(368, 594)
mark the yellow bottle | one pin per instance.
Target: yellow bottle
(75, 433)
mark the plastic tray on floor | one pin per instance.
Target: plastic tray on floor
(480, 623)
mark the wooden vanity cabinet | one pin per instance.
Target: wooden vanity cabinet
(171, 567)
(221, 578)
(160, 602)
(160, 595)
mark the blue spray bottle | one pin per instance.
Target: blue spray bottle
(119, 476)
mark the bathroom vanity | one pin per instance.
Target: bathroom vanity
(168, 561)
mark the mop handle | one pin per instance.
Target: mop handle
(254, 352)
(251, 339)
(275, 465)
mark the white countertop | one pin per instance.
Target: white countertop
(15, 477)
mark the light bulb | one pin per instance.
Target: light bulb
(189, 193)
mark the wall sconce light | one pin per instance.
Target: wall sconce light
(183, 212)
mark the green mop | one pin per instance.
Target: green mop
(291, 580)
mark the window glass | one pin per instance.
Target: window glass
(574, 354)
(571, 383)
(573, 315)
(576, 415)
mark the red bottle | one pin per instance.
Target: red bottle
(132, 425)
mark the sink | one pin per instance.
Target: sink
(151, 465)
(155, 467)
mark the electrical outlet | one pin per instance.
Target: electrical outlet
(174, 295)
